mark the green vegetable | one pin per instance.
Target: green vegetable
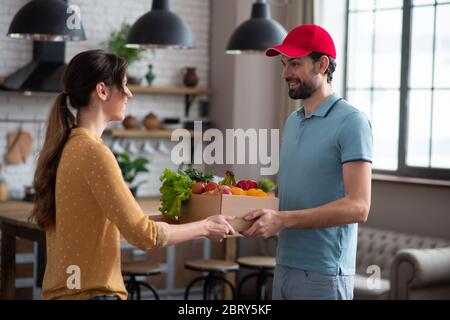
(198, 176)
(266, 185)
(176, 188)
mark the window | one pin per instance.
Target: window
(398, 73)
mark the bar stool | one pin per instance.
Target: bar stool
(216, 270)
(264, 266)
(136, 269)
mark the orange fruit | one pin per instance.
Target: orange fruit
(237, 191)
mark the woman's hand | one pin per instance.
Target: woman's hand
(217, 227)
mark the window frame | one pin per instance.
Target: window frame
(402, 168)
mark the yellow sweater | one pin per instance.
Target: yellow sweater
(93, 207)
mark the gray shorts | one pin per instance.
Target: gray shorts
(298, 284)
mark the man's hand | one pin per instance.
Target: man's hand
(268, 223)
(218, 227)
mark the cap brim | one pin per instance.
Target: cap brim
(287, 50)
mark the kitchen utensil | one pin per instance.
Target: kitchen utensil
(148, 148)
(132, 148)
(19, 147)
(163, 149)
(116, 147)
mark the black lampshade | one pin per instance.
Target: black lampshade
(258, 33)
(160, 28)
(46, 20)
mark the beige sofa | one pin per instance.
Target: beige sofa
(411, 266)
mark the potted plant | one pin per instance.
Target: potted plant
(131, 168)
(116, 44)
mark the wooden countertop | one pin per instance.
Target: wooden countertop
(17, 212)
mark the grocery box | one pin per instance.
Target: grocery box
(201, 206)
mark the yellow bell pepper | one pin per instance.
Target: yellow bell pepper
(257, 193)
(238, 191)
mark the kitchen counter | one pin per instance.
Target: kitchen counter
(18, 212)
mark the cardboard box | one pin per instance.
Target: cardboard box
(202, 206)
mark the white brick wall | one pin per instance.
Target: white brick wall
(99, 18)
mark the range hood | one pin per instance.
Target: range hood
(47, 23)
(43, 73)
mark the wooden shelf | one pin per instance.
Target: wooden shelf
(189, 93)
(169, 90)
(160, 133)
(161, 90)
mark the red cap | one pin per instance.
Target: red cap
(303, 40)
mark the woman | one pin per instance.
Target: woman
(82, 200)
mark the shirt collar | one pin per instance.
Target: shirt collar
(86, 132)
(322, 110)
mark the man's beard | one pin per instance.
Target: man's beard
(304, 91)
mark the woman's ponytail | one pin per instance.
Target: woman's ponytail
(59, 124)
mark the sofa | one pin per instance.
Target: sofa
(400, 266)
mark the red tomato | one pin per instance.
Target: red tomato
(198, 187)
(211, 186)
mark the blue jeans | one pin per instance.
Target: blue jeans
(298, 284)
(105, 298)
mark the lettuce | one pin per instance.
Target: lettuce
(176, 188)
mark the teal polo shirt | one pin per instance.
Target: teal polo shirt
(313, 151)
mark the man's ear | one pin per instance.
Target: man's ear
(324, 63)
(102, 91)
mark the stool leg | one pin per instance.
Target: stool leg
(131, 287)
(188, 288)
(261, 286)
(212, 287)
(230, 285)
(208, 286)
(268, 275)
(243, 281)
(149, 287)
(138, 291)
(214, 291)
(206, 289)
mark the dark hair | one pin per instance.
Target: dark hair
(331, 66)
(80, 78)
